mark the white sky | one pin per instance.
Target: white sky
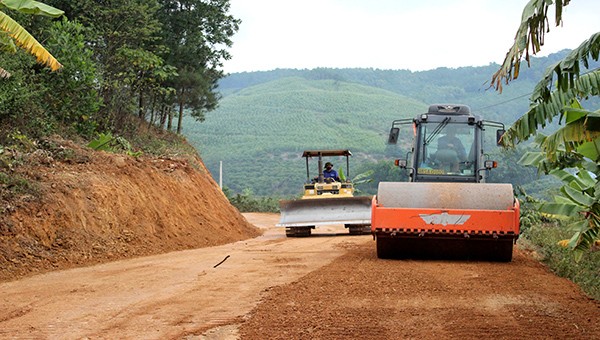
(390, 34)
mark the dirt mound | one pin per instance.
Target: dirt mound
(96, 207)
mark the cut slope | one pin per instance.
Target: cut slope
(101, 207)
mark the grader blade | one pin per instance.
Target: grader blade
(324, 211)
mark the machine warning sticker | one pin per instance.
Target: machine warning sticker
(445, 219)
(431, 171)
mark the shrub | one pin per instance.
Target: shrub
(544, 238)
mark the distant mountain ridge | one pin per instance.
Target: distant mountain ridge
(266, 119)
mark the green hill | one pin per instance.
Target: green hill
(266, 119)
(260, 132)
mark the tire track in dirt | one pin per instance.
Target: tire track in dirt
(329, 286)
(359, 296)
(174, 295)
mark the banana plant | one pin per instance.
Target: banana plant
(12, 34)
(576, 145)
(572, 154)
(361, 178)
(561, 85)
(579, 202)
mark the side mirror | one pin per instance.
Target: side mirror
(499, 135)
(401, 163)
(488, 165)
(393, 137)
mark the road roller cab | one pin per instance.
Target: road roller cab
(446, 210)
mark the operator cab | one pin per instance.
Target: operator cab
(321, 187)
(447, 145)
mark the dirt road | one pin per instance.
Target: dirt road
(328, 286)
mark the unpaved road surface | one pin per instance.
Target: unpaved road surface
(330, 286)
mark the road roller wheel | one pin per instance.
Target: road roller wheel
(385, 248)
(297, 231)
(504, 251)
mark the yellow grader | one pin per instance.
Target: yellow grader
(325, 201)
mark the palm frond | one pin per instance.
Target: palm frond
(568, 69)
(573, 134)
(529, 37)
(32, 7)
(590, 150)
(544, 112)
(26, 41)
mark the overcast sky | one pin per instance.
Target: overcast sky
(390, 34)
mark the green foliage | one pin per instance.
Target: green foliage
(153, 141)
(72, 94)
(121, 34)
(247, 202)
(576, 145)
(154, 57)
(564, 104)
(196, 48)
(577, 201)
(40, 103)
(122, 59)
(361, 179)
(12, 185)
(530, 214)
(13, 33)
(341, 174)
(20, 95)
(582, 270)
(107, 142)
(31, 7)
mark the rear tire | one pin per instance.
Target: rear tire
(504, 251)
(297, 231)
(385, 249)
(358, 229)
(492, 250)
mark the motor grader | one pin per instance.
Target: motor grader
(446, 210)
(325, 201)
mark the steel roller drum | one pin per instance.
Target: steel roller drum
(476, 196)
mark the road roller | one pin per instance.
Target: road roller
(446, 210)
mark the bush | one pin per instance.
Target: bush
(544, 238)
(247, 202)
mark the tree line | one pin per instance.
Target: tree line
(150, 59)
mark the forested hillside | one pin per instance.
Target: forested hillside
(91, 169)
(266, 119)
